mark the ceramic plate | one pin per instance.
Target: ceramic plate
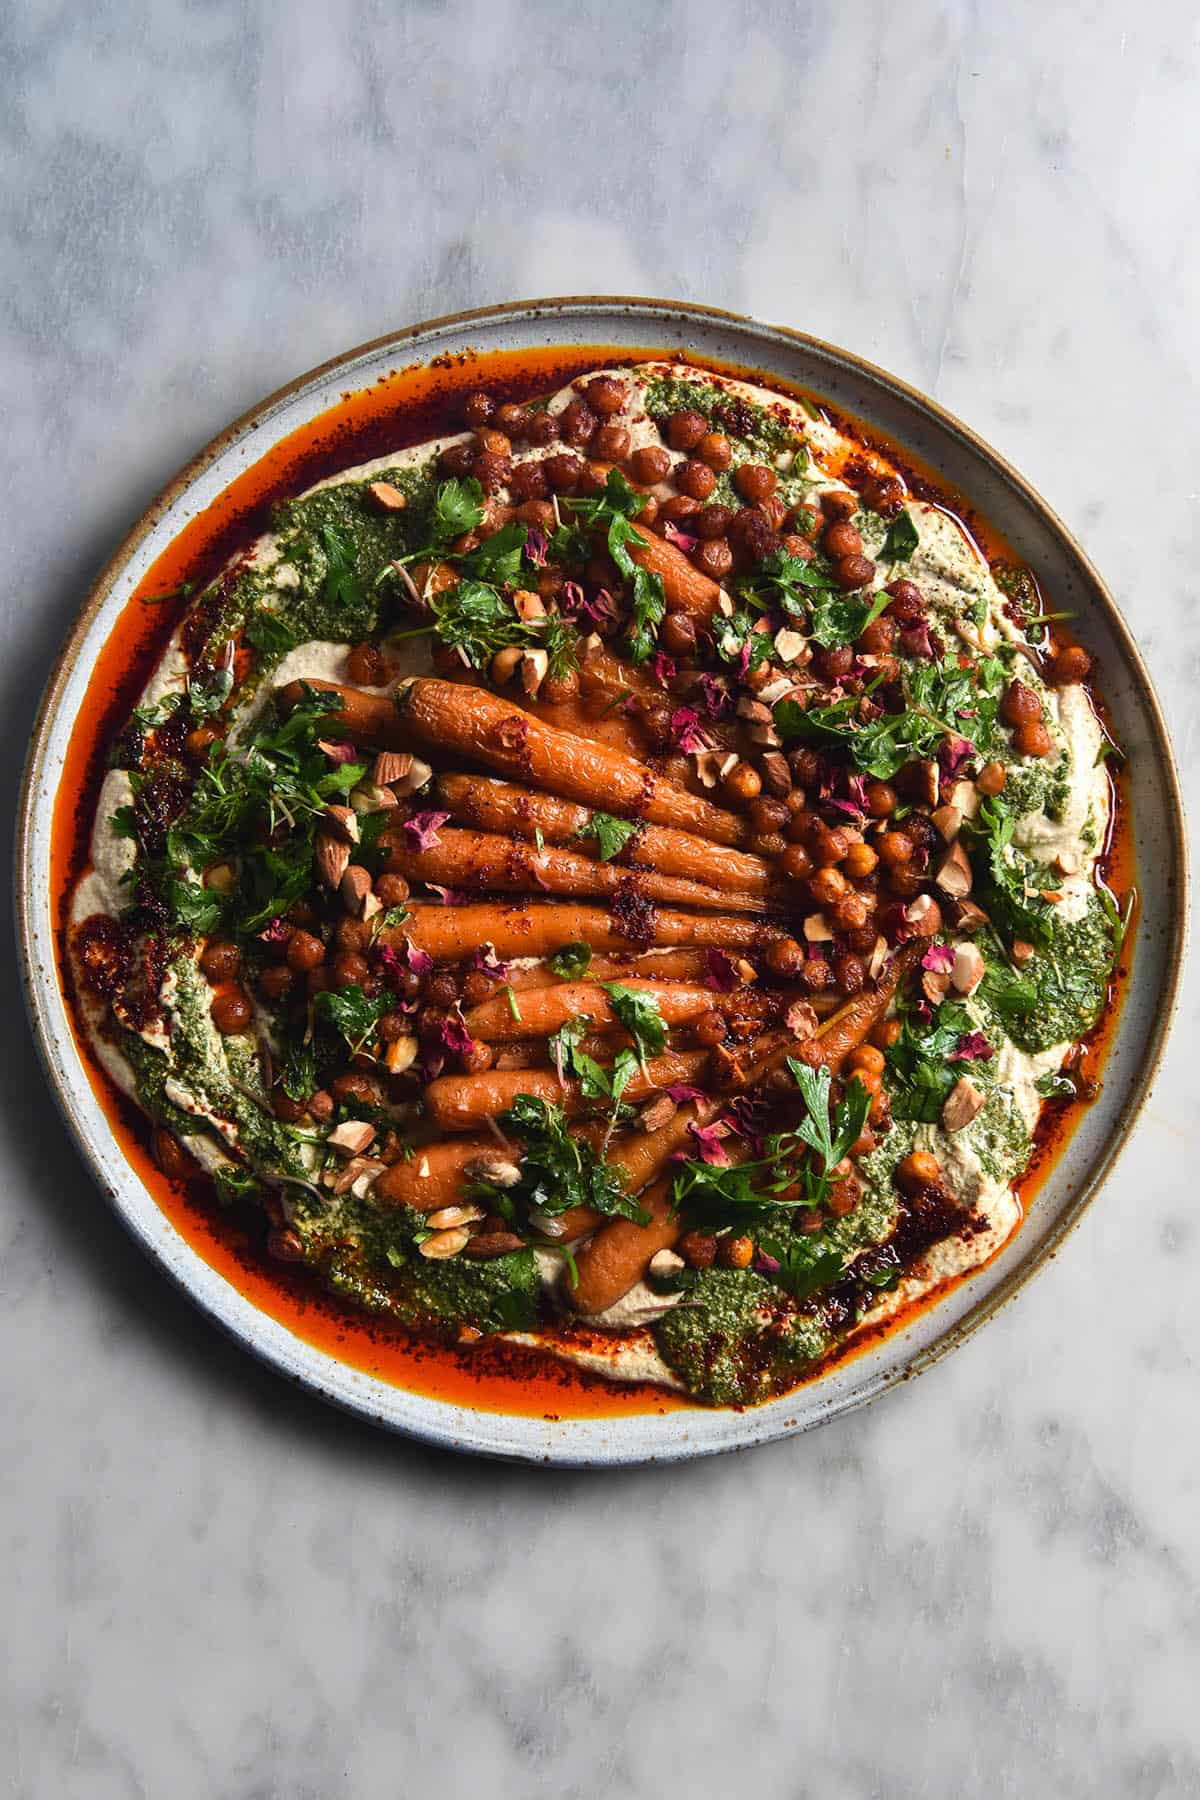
(1038, 538)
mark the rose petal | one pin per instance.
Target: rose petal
(422, 829)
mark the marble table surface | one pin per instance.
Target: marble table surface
(986, 1584)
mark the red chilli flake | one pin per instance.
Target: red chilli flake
(422, 829)
(972, 1046)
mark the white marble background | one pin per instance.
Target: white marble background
(986, 1585)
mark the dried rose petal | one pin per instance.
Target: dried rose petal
(682, 540)
(681, 1092)
(685, 729)
(953, 754)
(277, 932)
(338, 750)
(766, 1265)
(536, 546)
(406, 961)
(488, 963)
(939, 957)
(718, 701)
(664, 668)
(917, 641)
(422, 829)
(447, 895)
(972, 1046)
(708, 1141)
(721, 971)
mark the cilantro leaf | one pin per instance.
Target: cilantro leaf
(640, 1016)
(611, 834)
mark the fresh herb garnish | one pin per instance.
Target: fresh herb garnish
(639, 1014)
(350, 1012)
(572, 961)
(342, 584)
(558, 1171)
(901, 540)
(457, 508)
(610, 834)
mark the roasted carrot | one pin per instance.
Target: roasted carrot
(435, 1175)
(545, 1010)
(522, 812)
(452, 933)
(686, 589)
(438, 716)
(463, 1102)
(365, 718)
(836, 1037)
(620, 1252)
(484, 862)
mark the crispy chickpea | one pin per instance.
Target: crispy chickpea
(905, 603)
(1033, 739)
(477, 1059)
(839, 503)
(714, 521)
(563, 471)
(769, 844)
(352, 1084)
(850, 913)
(611, 443)
(895, 848)
(904, 881)
(559, 690)
(816, 975)
(917, 1170)
(231, 1011)
(320, 1105)
(199, 741)
(285, 1108)
(170, 1154)
(867, 1057)
(829, 844)
(577, 423)
(796, 863)
(677, 634)
(456, 459)
(991, 778)
(349, 969)
(768, 815)
(276, 981)
(884, 494)
(542, 428)
(714, 558)
(695, 479)
(736, 1252)
(850, 972)
(1068, 665)
(755, 482)
(365, 666)
(479, 408)
(494, 443)
(833, 664)
(709, 1028)
(304, 952)
(878, 638)
(839, 538)
(528, 482)
(605, 396)
(798, 547)
(513, 419)
(882, 799)
(391, 890)
(751, 535)
(698, 1249)
(678, 508)
(491, 471)
(441, 988)
(827, 885)
(743, 783)
(852, 572)
(860, 861)
(395, 1024)
(650, 464)
(220, 960)
(685, 429)
(844, 1196)
(1019, 705)
(715, 449)
(352, 934)
(785, 957)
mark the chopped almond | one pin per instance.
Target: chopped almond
(965, 1102)
(386, 497)
(332, 858)
(968, 970)
(352, 1136)
(954, 876)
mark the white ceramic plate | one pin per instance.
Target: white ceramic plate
(1038, 538)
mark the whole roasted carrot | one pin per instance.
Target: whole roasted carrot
(620, 1252)
(440, 717)
(545, 1010)
(686, 589)
(484, 862)
(364, 718)
(453, 933)
(434, 1175)
(502, 806)
(464, 1102)
(850, 1026)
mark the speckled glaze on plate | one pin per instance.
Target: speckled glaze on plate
(964, 462)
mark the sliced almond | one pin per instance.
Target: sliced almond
(221, 877)
(776, 776)
(1022, 953)
(745, 971)
(1066, 862)
(924, 915)
(446, 1216)
(817, 929)
(343, 822)
(389, 766)
(753, 710)
(935, 985)
(354, 888)
(401, 1054)
(965, 796)
(386, 497)
(357, 1174)
(418, 774)
(963, 1104)
(444, 1244)
(968, 970)
(332, 858)
(529, 607)
(954, 876)
(371, 905)
(370, 797)
(764, 737)
(772, 692)
(352, 1136)
(496, 1169)
(879, 956)
(948, 820)
(665, 1262)
(927, 779)
(790, 646)
(713, 765)
(535, 666)
(970, 917)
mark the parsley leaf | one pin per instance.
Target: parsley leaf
(342, 584)
(1004, 877)
(457, 508)
(350, 1012)
(901, 540)
(558, 1171)
(611, 834)
(572, 961)
(830, 1137)
(640, 1016)
(298, 1077)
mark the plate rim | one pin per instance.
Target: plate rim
(758, 1425)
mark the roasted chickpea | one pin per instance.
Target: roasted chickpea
(743, 783)
(860, 861)
(220, 961)
(577, 423)
(851, 912)
(320, 1105)
(542, 428)
(477, 1059)
(304, 952)
(349, 969)
(231, 1011)
(650, 464)
(677, 634)
(441, 988)
(850, 972)
(829, 844)
(853, 571)
(479, 408)
(714, 521)
(736, 1252)
(751, 536)
(456, 459)
(768, 815)
(529, 481)
(905, 604)
(768, 844)
(678, 508)
(866, 1057)
(276, 981)
(1033, 739)
(494, 443)
(797, 546)
(563, 472)
(1019, 705)
(839, 538)
(796, 863)
(917, 1170)
(685, 429)
(170, 1154)
(353, 1085)
(352, 934)
(395, 1024)
(365, 666)
(491, 471)
(605, 395)
(391, 890)
(991, 778)
(285, 1108)
(715, 449)
(839, 503)
(698, 1249)
(785, 957)
(611, 443)
(513, 419)
(199, 741)
(755, 482)
(714, 558)
(882, 799)
(886, 1033)
(895, 848)
(904, 881)
(827, 885)
(878, 638)
(709, 1028)
(695, 479)
(835, 664)
(816, 975)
